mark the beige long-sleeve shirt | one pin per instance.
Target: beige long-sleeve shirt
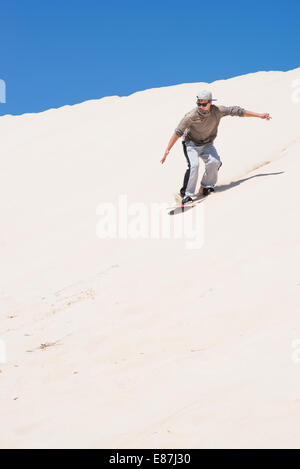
(201, 126)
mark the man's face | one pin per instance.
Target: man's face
(204, 104)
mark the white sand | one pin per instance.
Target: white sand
(155, 345)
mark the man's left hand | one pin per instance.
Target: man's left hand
(266, 116)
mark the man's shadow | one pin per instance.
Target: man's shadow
(222, 188)
(225, 187)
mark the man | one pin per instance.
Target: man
(199, 129)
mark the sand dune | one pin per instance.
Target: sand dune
(145, 343)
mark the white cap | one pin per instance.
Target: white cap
(205, 94)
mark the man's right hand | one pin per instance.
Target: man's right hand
(173, 139)
(164, 157)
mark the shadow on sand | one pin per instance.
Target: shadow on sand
(225, 187)
(222, 188)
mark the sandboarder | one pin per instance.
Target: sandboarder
(199, 128)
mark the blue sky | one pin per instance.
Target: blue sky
(56, 53)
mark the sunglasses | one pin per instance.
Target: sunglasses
(204, 104)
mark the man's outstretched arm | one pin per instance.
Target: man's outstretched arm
(172, 140)
(179, 131)
(255, 114)
(240, 112)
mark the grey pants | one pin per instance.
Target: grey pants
(209, 156)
